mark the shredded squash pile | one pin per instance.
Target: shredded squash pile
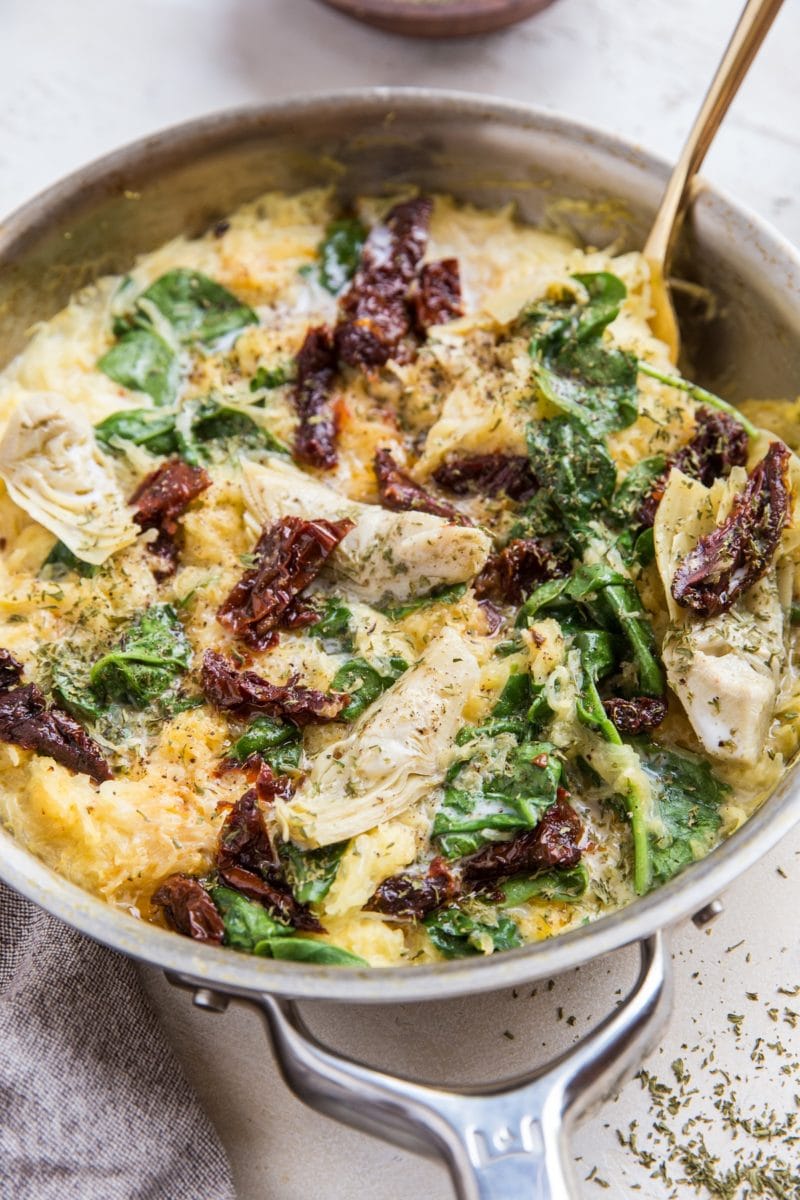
(522, 743)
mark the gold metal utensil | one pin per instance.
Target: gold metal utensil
(754, 23)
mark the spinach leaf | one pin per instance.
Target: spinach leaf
(197, 308)
(213, 422)
(279, 744)
(334, 627)
(70, 686)
(550, 323)
(565, 885)
(614, 602)
(623, 600)
(250, 929)
(530, 783)
(546, 596)
(311, 950)
(689, 796)
(143, 362)
(142, 426)
(463, 812)
(340, 252)
(597, 595)
(594, 385)
(447, 594)
(600, 609)
(514, 798)
(522, 700)
(516, 696)
(268, 378)
(521, 709)
(247, 923)
(644, 547)
(606, 293)
(510, 646)
(574, 470)
(590, 579)
(636, 548)
(554, 323)
(365, 683)
(635, 488)
(458, 845)
(312, 872)
(597, 660)
(61, 561)
(456, 933)
(146, 666)
(185, 431)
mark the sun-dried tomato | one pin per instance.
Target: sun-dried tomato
(26, 720)
(376, 316)
(401, 493)
(299, 614)
(10, 671)
(268, 785)
(160, 499)
(636, 715)
(559, 833)
(555, 842)
(276, 897)
(288, 557)
(189, 909)
(411, 897)
(247, 862)
(243, 692)
(740, 550)
(510, 574)
(719, 444)
(488, 475)
(317, 431)
(244, 840)
(492, 615)
(438, 299)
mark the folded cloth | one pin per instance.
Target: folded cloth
(93, 1104)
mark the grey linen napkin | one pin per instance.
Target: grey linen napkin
(93, 1104)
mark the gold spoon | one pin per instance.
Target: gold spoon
(754, 23)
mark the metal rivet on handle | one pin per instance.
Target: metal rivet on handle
(209, 999)
(708, 913)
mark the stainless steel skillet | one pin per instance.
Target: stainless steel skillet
(508, 1140)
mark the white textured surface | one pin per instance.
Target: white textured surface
(81, 78)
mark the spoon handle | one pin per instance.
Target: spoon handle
(754, 23)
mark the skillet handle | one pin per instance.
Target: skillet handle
(508, 1142)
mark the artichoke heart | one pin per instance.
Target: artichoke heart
(389, 555)
(393, 756)
(54, 471)
(724, 669)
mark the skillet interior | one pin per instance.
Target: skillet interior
(560, 175)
